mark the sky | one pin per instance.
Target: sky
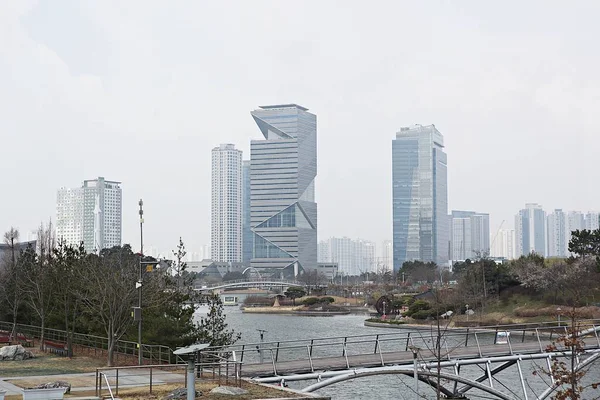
(141, 91)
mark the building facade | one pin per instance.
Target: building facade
(530, 230)
(419, 196)
(504, 244)
(557, 229)
(226, 204)
(247, 243)
(283, 210)
(353, 256)
(469, 235)
(386, 257)
(91, 214)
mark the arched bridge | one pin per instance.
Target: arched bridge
(469, 359)
(251, 283)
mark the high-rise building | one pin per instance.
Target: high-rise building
(530, 230)
(557, 225)
(91, 214)
(591, 220)
(386, 256)
(282, 179)
(323, 253)
(469, 235)
(504, 244)
(226, 209)
(420, 196)
(246, 230)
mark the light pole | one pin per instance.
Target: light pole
(139, 285)
(262, 339)
(415, 350)
(558, 310)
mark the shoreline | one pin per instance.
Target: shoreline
(298, 310)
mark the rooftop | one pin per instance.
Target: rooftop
(291, 105)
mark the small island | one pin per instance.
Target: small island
(307, 305)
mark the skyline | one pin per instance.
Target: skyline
(122, 101)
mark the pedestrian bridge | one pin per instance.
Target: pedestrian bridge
(251, 283)
(469, 359)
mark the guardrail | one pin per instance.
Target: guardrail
(218, 370)
(311, 349)
(96, 345)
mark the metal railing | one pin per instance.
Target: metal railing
(219, 370)
(244, 282)
(479, 342)
(97, 345)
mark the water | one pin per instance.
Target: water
(289, 327)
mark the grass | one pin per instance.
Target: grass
(45, 365)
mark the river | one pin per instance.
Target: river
(384, 387)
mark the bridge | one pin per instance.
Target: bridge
(251, 283)
(468, 359)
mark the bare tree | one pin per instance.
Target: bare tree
(11, 278)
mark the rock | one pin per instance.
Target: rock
(55, 385)
(180, 393)
(229, 390)
(15, 353)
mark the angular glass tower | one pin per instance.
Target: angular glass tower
(419, 196)
(283, 212)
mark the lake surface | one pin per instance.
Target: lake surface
(384, 387)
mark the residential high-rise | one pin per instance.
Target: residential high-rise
(226, 209)
(323, 253)
(591, 220)
(91, 214)
(504, 244)
(530, 230)
(246, 230)
(469, 235)
(420, 196)
(282, 185)
(557, 225)
(386, 256)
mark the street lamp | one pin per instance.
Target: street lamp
(558, 310)
(415, 350)
(139, 283)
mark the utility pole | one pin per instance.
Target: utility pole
(141, 203)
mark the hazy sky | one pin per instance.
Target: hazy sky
(141, 91)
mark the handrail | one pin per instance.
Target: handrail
(102, 374)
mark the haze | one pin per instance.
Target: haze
(140, 91)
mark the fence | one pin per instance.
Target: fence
(220, 371)
(98, 345)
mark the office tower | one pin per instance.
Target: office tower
(386, 256)
(530, 230)
(556, 227)
(469, 235)
(420, 196)
(90, 214)
(283, 208)
(226, 209)
(591, 221)
(323, 254)
(504, 244)
(246, 230)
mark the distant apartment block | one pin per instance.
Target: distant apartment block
(419, 196)
(469, 235)
(557, 228)
(91, 214)
(226, 204)
(386, 256)
(530, 230)
(353, 256)
(504, 244)
(283, 210)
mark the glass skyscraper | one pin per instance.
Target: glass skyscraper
(419, 196)
(283, 212)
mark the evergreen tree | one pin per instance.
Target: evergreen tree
(213, 329)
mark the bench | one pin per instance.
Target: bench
(57, 348)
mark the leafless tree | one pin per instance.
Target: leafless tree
(12, 295)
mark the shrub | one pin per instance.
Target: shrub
(310, 301)
(419, 305)
(423, 314)
(327, 300)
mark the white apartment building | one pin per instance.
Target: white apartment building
(353, 256)
(226, 204)
(91, 214)
(504, 244)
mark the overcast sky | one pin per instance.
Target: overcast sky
(141, 91)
